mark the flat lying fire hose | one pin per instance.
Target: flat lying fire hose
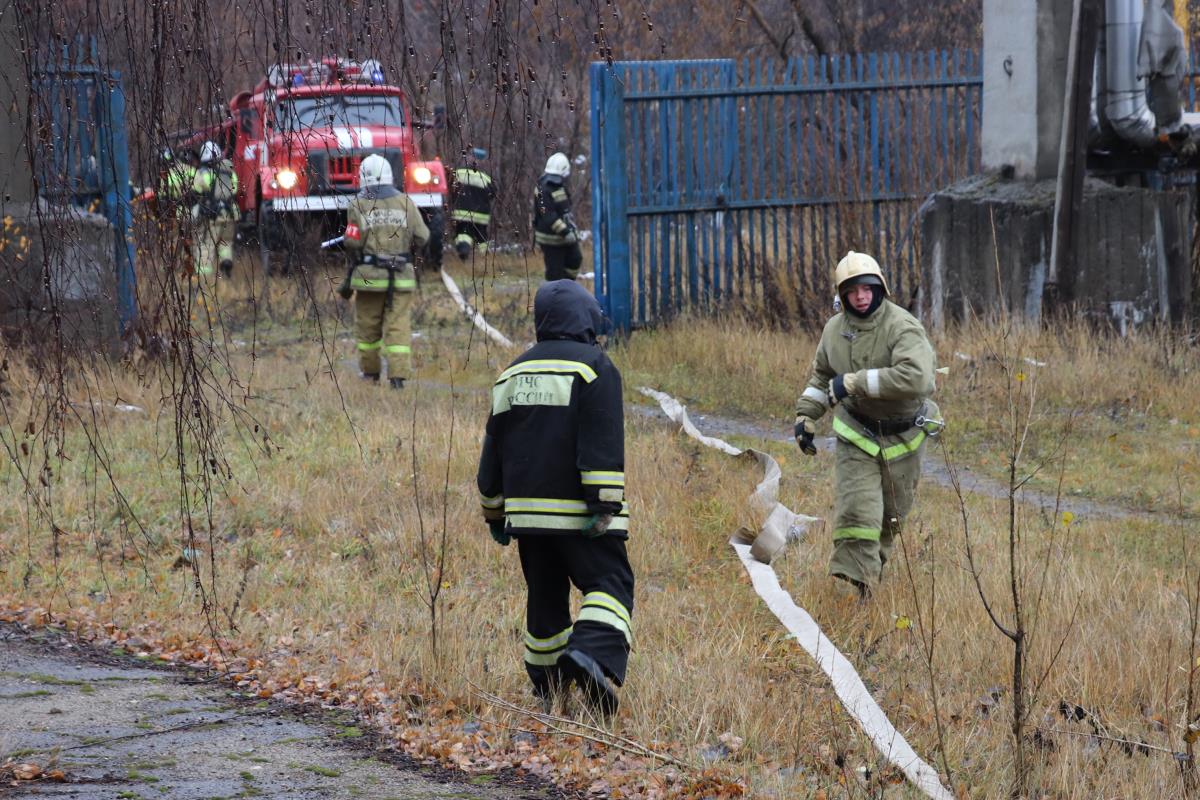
(473, 313)
(781, 526)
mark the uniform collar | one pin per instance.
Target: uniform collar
(865, 324)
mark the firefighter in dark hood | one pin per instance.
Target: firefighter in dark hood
(552, 476)
(874, 366)
(553, 226)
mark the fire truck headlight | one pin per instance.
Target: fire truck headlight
(287, 178)
(422, 175)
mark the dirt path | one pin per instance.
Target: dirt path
(933, 467)
(122, 729)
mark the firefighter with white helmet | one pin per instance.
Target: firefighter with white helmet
(553, 226)
(214, 187)
(383, 225)
(874, 366)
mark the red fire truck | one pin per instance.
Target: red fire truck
(296, 141)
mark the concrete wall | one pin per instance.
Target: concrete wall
(986, 247)
(1025, 46)
(59, 289)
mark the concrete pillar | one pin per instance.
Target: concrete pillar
(1025, 45)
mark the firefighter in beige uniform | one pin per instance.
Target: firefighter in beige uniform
(875, 367)
(382, 227)
(214, 187)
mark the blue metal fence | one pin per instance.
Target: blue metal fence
(718, 180)
(82, 152)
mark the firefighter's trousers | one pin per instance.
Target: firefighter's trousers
(600, 569)
(562, 261)
(873, 498)
(384, 332)
(472, 234)
(212, 243)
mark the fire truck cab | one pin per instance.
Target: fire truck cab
(296, 141)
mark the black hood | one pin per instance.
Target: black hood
(565, 310)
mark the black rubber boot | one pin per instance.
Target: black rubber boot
(226, 268)
(598, 690)
(552, 690)
(396, 383)
(369, 376)
(463, 249)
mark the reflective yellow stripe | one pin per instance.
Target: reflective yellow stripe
(904, 448)
(478, 217)
(559, 195)
(397, 348)
(556, 522)
(549, 365)
(854, 437)
(370, 345)
(519, 504)
(870, 534)
(472, 177)
(541, 659)
(491, 502)
(602, 478)
(608, 601)
(549, 238)
(381, 284)
(609, 494)
(550, 643)
(606, 615)
(871, 447)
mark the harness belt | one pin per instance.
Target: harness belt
(882, 427)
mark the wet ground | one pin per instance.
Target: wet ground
(118, 728)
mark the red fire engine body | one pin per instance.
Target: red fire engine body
(296, 141)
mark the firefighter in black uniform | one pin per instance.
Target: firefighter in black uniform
(552, 474)
(474, 191)
(553, 226)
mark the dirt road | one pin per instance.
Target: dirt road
(117, 728)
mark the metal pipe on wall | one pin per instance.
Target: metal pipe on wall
(1124, 96)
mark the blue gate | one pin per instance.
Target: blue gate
(82, 153)
(717, 181)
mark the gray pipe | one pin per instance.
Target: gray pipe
(1124, 98)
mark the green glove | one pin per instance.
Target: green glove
(496, 528)
(597, 526)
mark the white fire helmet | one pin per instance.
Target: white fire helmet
(209, 153)
(558, 164)
(860, 266)
(374, 171)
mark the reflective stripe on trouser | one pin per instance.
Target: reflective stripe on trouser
(212, 242)
(600, 569)
(562, 261)
(873, 499)
(470, 232)
(384, 332)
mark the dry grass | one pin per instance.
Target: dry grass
(322, 528)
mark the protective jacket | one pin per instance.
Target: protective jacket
(214, 188)
(554, 451)
(551, 212)
(474, 192)
(893, 364)
(382, 226)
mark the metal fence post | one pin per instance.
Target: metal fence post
(118, 201)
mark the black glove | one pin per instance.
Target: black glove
(344, 290)
(804, 433)
(841, 387)
(597, 526)
(496, 528)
